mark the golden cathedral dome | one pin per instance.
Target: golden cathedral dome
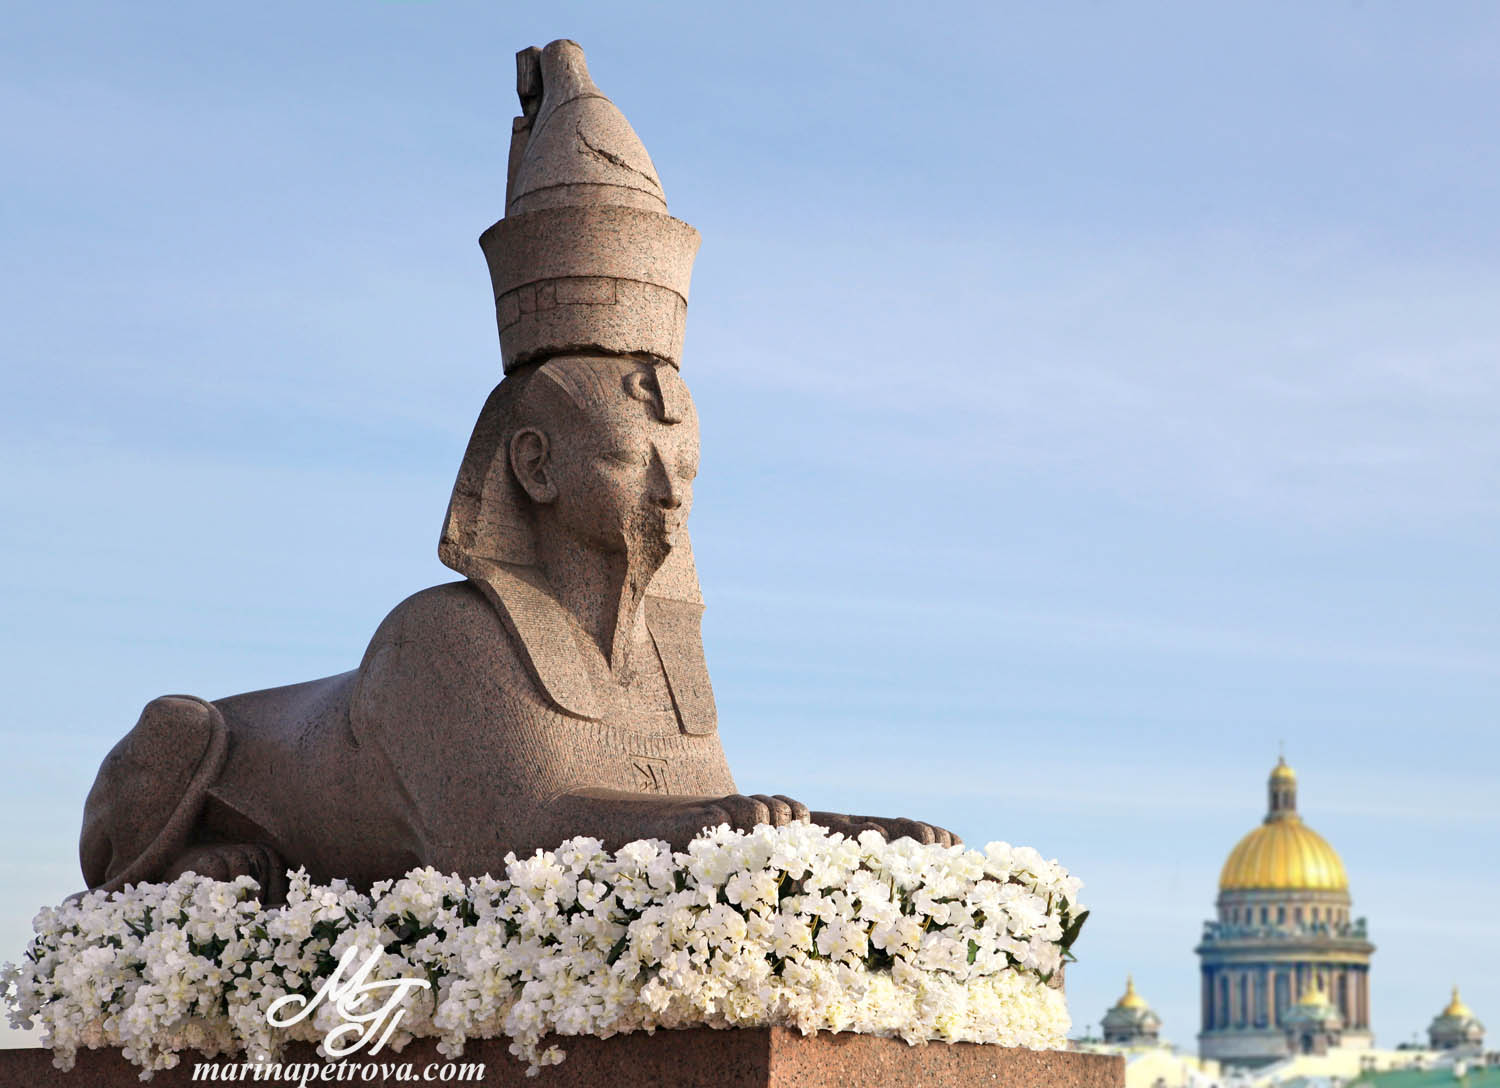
(1286, 854)
(1283, 853)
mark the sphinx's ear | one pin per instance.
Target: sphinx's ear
(528, 460)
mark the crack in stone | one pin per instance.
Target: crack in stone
(611, 157)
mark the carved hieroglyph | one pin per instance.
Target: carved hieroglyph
(560, 688)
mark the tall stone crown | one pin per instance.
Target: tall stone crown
(586, 258)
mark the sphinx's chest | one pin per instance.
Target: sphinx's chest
(643, 703)
(660, 689)
(603, 755)
(641, 742)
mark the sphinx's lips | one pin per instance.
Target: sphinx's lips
(667, 521)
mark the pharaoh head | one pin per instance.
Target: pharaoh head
(599, 451)
(605, 449)
(592, 436)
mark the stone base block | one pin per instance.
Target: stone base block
(692, 1058)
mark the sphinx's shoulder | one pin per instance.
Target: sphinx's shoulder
(508, 630)
(449, 632)
(438, 611)
(443, 697)
(440, 661)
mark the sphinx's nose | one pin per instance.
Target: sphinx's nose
(668, 491)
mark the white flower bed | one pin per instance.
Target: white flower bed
(792, 926)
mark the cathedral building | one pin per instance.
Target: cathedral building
(1285, 969)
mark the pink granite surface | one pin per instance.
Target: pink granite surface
(693, 1058)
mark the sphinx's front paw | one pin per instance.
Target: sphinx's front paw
(890, 828)
(740, 811)
(746, 812)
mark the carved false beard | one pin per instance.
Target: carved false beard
(646, 549)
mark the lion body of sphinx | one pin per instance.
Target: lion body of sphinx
(442, 748)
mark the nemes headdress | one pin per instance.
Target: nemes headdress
(587, 258)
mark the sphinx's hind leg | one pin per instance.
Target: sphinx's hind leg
(146, 800)
(225, 861)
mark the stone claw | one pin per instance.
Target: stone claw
(889, 828)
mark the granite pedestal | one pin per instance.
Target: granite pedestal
(692, 1058)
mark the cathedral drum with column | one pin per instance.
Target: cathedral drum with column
(1283, 936)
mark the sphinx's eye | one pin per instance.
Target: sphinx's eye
(642, 385)
(633, 458)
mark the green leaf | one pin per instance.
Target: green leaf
(1071, 933)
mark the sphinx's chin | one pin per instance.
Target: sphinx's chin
(648, 551)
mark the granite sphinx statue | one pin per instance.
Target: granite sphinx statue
(560, 688)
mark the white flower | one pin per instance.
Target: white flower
(792, 926)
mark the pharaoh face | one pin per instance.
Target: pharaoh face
(614, 466)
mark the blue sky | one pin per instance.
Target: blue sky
(1094, 396)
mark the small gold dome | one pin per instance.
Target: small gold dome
(1457, 1008)
(1283, 853)
(1131, 999)
(1314, 995)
